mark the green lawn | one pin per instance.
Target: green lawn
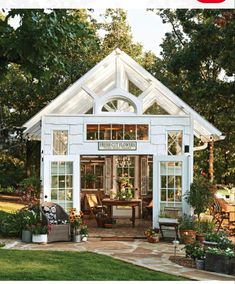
(52, 265)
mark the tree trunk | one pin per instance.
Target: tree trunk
(211, 161)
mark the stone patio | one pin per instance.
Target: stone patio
(138, 252)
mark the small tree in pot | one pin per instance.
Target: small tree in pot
(200, 196)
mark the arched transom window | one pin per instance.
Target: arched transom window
(118, 105)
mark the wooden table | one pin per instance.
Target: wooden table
(114, 202)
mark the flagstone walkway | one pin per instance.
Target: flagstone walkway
(138, 252)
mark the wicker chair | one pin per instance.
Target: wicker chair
(55, 216)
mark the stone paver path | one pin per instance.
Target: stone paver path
(138, 252)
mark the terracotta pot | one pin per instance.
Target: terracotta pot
(200, 237)
(187, 236)
(109, 226)
(153, 239)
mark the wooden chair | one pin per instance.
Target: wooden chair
(219, 215)
(148, 210)
(94, 204)
(55, 216)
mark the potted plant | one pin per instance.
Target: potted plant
(203, 228)
(109, 222)
(27, 218)
(39, 233)
(199, 196)
(84, 231)
(197, 253)
(220, 260)
(187, 229)
(100, 218)
(152, 234)
(75, 219)
(89, 178)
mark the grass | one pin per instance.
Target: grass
(52, 265)
(10, 207)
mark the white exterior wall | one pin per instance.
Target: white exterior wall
(156, 146)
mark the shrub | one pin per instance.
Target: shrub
(7, 190)
(199, 196)
(29, 191)
(186, 222)
(194, 251)
(205, 227)
(220, 238)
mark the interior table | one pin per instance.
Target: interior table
(115, 202)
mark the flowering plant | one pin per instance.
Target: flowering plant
(151, 232)
(218, 251)
(84, 228)
(75, 218)
(220, 238)
(123, 179)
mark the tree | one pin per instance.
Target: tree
(39, 59)
(199, 196)
(198, 65)
(118, 34)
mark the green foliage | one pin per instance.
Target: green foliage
(26, 218)
(29, 191)
(12, 224)
(11, 170)
(205, 227)
(218, 251)
(9, 224)
(186, 222)
(118, 34)
(199, 196)
(8, 190)
(39, 229)
(198, 64)
(194, 250)
(220, 238)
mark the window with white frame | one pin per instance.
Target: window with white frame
(60, 142)
(171, 182)
(92, 175)
(174, 142)
(62, 184)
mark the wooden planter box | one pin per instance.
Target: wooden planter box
(220, 263)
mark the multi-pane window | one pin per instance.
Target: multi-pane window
(174, 142)
(62, 184)
(60, 142)
(117, 132)
(92, 176)
(171, 182)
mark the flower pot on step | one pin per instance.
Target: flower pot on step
(77, 238)
(26, 236)
(153, 239)
(40, 239)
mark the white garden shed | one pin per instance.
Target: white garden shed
(97, 130)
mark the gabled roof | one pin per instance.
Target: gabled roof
(105, 88)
